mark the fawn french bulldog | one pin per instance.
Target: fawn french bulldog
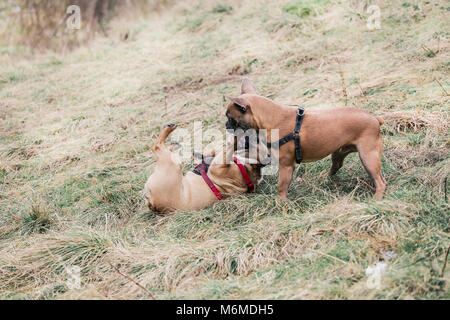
(310, 135)
(217, 177)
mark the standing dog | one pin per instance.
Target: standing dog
(335, 131)
(168, 190)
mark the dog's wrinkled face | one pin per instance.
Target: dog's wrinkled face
(231, 172)
(239, 115)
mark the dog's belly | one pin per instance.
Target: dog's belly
(314, 151)
(316, 156)
(196, 192)
(163, 189)
(188, 193)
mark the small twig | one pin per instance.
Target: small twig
(445, 261)
(443, 89)
(344, 89)
(445, 190)
(426, 49)
(359, 179)
(362, 91)
(329, 256)
(430, 52)
(132, 280)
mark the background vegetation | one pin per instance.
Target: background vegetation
(76, 130)
(42, 24)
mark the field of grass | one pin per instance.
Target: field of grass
(76, 131)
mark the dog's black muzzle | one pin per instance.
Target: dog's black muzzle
(231, 124)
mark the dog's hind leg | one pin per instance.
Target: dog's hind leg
(370, 155)
(163, 136)
(163, 188)
(338, 157)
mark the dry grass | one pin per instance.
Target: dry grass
(412, 121)
(76, 131)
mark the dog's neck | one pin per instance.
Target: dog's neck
(228, 186)
(265, 117)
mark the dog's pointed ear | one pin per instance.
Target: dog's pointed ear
(241, 103)
(248, 86)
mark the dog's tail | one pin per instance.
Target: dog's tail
(380, 120)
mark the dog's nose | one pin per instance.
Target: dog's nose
(229, 125)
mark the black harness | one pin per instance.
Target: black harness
(294, 135)
(204, 166)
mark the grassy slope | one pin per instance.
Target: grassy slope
(75, 134)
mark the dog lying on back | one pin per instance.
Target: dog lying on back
(217, 177)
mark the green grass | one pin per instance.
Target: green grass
(303, 8)
(76, 130)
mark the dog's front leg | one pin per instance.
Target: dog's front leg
(284, 180)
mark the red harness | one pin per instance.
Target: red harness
(202, 168)
(250, 186)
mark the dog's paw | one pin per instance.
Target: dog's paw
(170, 125)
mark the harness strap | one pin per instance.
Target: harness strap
(202, 169)
(294, 135)
(250, 186)
(202, 166)
(298, 125)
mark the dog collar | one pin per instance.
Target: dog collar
(250, 185)
(202, 168)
